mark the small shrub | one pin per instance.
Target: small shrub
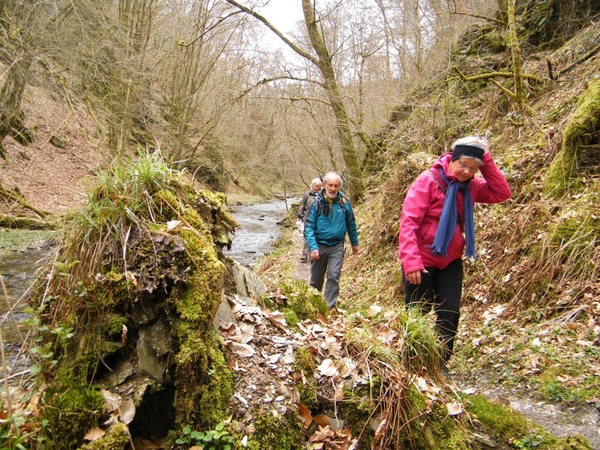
(305, 301)
(217, 439)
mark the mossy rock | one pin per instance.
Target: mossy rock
(71, 410)
(132, 303)
(578, 154)
(117, 437)
(277, 431)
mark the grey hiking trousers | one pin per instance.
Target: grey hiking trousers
(331, 258)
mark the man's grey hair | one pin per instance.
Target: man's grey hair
(316, 181)
(331, 175)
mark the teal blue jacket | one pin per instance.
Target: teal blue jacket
(328, 226)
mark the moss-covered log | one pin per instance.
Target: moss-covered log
(27, 223)
(128, 308)
(580, 149)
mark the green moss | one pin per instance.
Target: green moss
(281, 432)
(357, 408)
(565, 171)
(307, 384)
(204, 382)
(499, 418)
(202, 295)
(571, 442)
(305, 301)
(117, 437)
(70, 411)
(291, 318)
(219, 389)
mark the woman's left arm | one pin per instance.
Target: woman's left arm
(492, 188)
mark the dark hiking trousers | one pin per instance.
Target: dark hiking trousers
(331, 258)
(441, 290)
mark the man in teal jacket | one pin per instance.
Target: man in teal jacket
(331, 217)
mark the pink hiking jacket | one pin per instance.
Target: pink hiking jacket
(423, 206)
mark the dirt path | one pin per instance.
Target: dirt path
(560, 420)
(302, 268)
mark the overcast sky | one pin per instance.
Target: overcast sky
(283, 14)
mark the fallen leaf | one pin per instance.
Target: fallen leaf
(374, 310)
(277, 319)
(348, 367)
(317, 328)
(304, 414)
(503, 400)
(327, 368)
(379, 434)
(93, 434)
(243, 350)
(454, 408)
(274, 359)
(339, 391)
(288, 357)
(386, 335)
(295, 394)
(127, 411)
(146, 444)
(322, 420)
(421, 384)
(111, 400)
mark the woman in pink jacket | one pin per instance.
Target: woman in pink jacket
(436, 223)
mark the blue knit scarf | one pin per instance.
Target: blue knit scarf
(448, 218)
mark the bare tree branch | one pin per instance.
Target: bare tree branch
(278, 33)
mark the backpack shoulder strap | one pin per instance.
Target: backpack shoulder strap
(436, 176)
(319, 202)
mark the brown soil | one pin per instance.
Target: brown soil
(52, 177)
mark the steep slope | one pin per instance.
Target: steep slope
(530, 319)
(52, 171)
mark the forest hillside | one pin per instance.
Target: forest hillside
(530, 320)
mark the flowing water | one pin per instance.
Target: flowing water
(258, 230)
(18, 270)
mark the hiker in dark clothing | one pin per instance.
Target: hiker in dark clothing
(437, 210)
(331, 218)
(304, 211)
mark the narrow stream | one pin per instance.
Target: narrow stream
(258, 230)
(18, 270)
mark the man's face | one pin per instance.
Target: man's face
(332, 187)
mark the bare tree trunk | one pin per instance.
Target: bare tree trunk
(325, 65)
(11, 94)
(516, 54)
